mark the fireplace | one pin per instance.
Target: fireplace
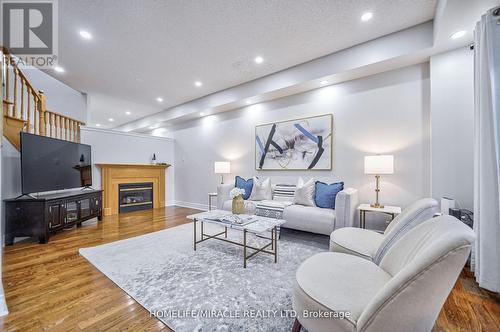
(135, 196)
(112, 175)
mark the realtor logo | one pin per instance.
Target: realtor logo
(29, 31)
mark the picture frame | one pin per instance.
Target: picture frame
(296, 144)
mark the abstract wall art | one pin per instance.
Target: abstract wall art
(301, 144)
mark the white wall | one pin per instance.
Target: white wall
(384, 113)
(119, 147)
(102, 107)
(11, 171)
(452, 117)
(59, 97)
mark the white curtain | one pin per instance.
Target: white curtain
(486, 253)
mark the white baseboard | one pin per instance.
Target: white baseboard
(191, 205)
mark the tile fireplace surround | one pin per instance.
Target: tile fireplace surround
(112, 175)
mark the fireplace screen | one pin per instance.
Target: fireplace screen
(135, 196)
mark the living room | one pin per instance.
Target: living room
(254, 166)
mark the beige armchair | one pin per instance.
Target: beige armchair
(372, 245)
(405, 292)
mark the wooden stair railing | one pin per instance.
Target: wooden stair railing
(24, 107)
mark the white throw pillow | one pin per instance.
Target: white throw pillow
(261, 190)
(304, 193)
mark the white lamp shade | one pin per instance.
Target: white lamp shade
(222, 167)
(379, 164)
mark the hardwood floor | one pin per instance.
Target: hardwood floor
(52, 287)
(469, 307)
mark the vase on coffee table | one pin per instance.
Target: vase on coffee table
(238, 206)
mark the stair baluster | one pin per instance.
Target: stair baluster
(59, 135)
(67, 130)
(7, 79)
(28, 118)
(51, 125)
(74, 132)
(41, 112)
(14, 105)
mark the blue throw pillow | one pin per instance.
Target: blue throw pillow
(326, 194)
(247, 185)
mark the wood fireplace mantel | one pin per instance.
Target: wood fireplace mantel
(112, 175)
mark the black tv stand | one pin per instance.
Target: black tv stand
(27, 195)
(87, 187)
(40, 216)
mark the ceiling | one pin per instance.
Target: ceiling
(458, 15)
(142, 50)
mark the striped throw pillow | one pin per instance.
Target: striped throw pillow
(284, 192)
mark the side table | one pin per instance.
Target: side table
(210, 196)
(393, 211)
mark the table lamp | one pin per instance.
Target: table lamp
(380, 164)
(222, 167)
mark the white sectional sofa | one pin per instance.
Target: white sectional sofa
(305, 218)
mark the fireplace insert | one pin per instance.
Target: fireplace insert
(135, 196)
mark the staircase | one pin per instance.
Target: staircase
(24, 108)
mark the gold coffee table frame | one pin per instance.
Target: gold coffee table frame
(273, 244)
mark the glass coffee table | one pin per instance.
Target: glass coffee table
(249, 224)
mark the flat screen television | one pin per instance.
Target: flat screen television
(53, 164)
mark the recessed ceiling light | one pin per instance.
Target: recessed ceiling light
(59, 69)
(111, 119)
(366, 16)
(202, 114)
(258, 59)
(159, 99)
(323, 82)
(97, 124)
(198, 83)
(458, 34)
(128, 112)
(85, 34)
(248, 101)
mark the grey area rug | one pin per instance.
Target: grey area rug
(207, 289)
